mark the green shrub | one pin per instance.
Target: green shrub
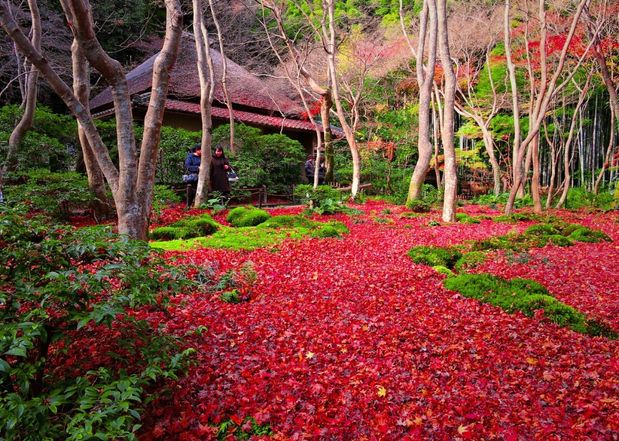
(517, 217)
(419, 206)
(230, 296)
(434, 223)
(581, 198)
(75, 358)
(525, 296)
(470, 260)
(585, 234)
(56, 194)
(162, 197)
(325, 231)
(435, 256)
(247, 216)
(323, 200)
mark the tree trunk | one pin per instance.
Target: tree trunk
(494, 163)
(546, 92)
(206, 76)
(131, 184)
(224, 74)
(535, 178)
(325, 107)
(447, 131)
(608, 156)
(103, 207)
(29, 96)
(425, 79)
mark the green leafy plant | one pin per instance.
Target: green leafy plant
(466, 219)
(59, 290)
(419, 206)
(322, 200)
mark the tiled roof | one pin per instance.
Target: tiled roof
(254, 119)
(244, 88)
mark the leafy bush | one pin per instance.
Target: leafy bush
(323, 200)
(247, 216)
(60, 291)
(230, 296)
(435, 256)
(419, 206)
(527, 297)
(57, 194)
(517, 217)
(272, 160)
(50, 144)
(470, 260)
(163, 196)
(581, 198)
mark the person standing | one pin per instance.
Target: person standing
(219, 173)
(192, 168)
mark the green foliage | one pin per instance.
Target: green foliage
(466, 219)
(245, 430)
(527, 297)
(162, 197)
(273, 160)
(323, 200)
(443, 270)
(56, 194)
(418, 206)
(581, 198)
(329, 230)
(493, 201)
(585, 234)
(435, 256)
(230, 296)
(61, 289)
(265, 234)
(50, 144)
(470, 260)
(517, 217)
(194, 226)
(247, 216)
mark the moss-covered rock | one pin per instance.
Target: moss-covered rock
(435, 256)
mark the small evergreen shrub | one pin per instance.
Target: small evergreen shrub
(526, 296)
(419, 206)
(585, 234)
(247, 216)
(470, 260)
(230, 296)
(323, 200)
(435, 256)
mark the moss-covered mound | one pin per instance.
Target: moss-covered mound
(247, 216)
(526, 296)
(435, 256)
(195, 226)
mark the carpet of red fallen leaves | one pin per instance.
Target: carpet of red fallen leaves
(349, 339)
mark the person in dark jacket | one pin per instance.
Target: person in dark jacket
(219, 173)
(192, 167)
(310, 166)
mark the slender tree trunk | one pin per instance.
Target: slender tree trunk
(29, 96)
(511, 68)
(553, 165)
(447, 131)
(608, 155)
(425, 79)
(325, 107)
(224, 74)
(547, 89)
(435, 136)
(329, 34)
(535, 179)
(494, 163)
(206, 76)
(81, 88)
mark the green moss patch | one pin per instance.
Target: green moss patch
(527, 297)
(272, 231)
(247, 216)
(470, 260)
(435, 256)
(466, 219)
(194, 226)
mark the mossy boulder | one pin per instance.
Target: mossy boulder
(247, 216)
